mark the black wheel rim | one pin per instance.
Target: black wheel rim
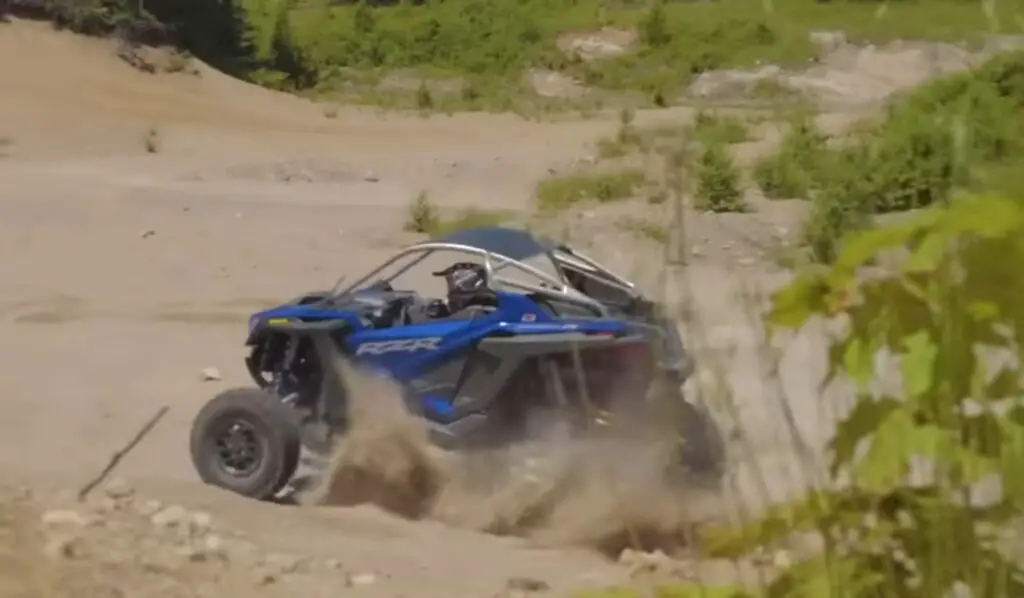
(239, 451)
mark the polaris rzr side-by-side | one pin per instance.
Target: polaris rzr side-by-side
(524, 327)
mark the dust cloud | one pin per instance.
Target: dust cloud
(601, 494)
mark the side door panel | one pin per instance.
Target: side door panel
(428, 360)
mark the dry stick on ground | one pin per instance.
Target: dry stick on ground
(115, 459)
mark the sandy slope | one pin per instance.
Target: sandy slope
(124, 273)
(103, 321)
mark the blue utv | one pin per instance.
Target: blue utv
(525, 329)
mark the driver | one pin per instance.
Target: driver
(466, 282)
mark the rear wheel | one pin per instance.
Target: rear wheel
(246, 441)
(703, 445)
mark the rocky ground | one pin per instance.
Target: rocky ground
(144, 216)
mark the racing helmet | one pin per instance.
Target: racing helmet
(465, 281)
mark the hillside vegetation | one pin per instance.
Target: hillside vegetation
(486, 46)
(960, 132)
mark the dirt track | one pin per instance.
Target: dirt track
(125, 273)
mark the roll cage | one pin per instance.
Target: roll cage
(554, 286)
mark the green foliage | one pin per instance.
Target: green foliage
(470, 218)
(472, 37)
(562, 192)
(93, 17)
(490, 44)
(216, 31)
(794, 170)
(953, 132)
(950, 287)
(665, 138)
(718, 181)
(679, 41)
(422, 215)
(424, 99)
(711, 127)
(839, 210)
(644, 229)
(653, 28)
(678, 590)
(493, 43)
(285, 56)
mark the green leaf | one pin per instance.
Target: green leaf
(983, 311)
(858, 424)
(1004, 385)
(984, 216)
(885, 463)
(798, 301)
(861, 247)
(926, 255)
(827, 576)
(917, 363)
(703, 591)
(774, 525)
(859, 361)
(1012, 450)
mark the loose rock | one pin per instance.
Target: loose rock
(283, 563)
(119, 489)
(361, 579)
(64, 518)
(61, 547)
(200, 523)
(149, 508)
(264, 578)
(527, 584)
(172, 516)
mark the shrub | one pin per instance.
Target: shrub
(718, 181)
(470, 218)
(912, 163)
(422, 215)
(793, 171)
(710, 127)
(908, 166)
(286, 56)
(957, 131)
(844, 205)
(561, 192)
(955, 291)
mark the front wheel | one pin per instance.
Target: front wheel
(246, 441)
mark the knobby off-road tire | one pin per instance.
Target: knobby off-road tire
(703, 450)
(702, 446)
(255, 419)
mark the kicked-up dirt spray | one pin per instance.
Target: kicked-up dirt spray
(604, 494)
